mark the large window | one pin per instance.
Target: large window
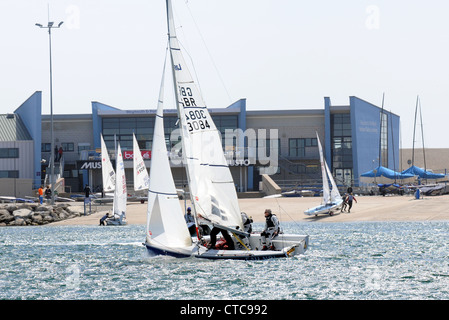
(9, 174)
(68, 146)
(122, 129)
(297, 146)
(45, 147)
(342, 148)
(9, 152)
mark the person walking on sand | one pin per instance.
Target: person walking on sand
(345, 203)
(350, 199)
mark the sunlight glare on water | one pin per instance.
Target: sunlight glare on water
(363, 260)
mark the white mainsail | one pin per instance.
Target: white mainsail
(120, 194)
(107, 170)
(141, 181)
(166, 225)
(333, 195)
(326, 191)
(212, 189)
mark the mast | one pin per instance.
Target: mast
(422, 137)
(380, 136)
(172, 35)
(211, 185)
(414, 130)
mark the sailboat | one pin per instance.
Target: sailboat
(140, 173)
(212, 192)
(120, 193)
(332, 200)
(114, 181)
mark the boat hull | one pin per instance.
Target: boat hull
(324, 209)
(285, 246)
(156, 250)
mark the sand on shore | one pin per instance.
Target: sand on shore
(367, 208)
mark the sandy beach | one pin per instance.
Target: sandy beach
(367, 208)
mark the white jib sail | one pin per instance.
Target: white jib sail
(326, 191)
(107, 170)
(141, 181)
(120, 194)
(212, 188)
(165, 218)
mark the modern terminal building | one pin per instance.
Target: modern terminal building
(281, 143)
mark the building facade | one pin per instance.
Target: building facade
(282, 143)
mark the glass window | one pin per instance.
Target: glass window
(68, 146)
(9, 174)
(45, 147)
(9, 152)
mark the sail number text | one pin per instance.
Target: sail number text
(197, 119)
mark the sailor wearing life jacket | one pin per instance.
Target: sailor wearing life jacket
(247, 222)
(271, 230)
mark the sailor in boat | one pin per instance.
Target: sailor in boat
(243, 241)
(213, 239)
(272, 229)
(247, 223)
(190, 221)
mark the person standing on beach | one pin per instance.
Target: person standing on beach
(40, 191)
(48, 194)
(350, 199)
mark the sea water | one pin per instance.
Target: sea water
(358, 260)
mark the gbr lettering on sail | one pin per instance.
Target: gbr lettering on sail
(197, 117)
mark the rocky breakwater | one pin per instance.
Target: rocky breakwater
(33, 214)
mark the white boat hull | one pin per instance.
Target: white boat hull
(286, 245)
(116, 222)
(329, 209)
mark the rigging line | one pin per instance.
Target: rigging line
(210, 56)
(286, 213)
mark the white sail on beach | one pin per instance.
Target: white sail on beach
(141, 179)
(120, 193)
(212, 188)
(107, 170)
(331, 197)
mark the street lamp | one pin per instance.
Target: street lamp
(49, 26)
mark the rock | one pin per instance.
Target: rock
(63, 215)
(24, 213)
(5, 216)
(36, 217)
(43, 208)
(11, 207)
(18, 222)
(48, 219)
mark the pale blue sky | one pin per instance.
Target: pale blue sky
(278, 54)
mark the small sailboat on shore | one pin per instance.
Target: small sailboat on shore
(212, 191)
(332, 199)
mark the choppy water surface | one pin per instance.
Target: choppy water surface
(362, 260)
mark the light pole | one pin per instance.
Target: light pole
(49, 26)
